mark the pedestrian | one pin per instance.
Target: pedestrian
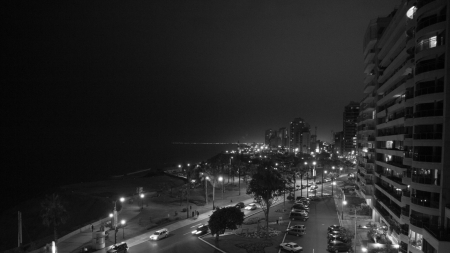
(198, 214)
(190, 207)
(277, 221)
(193, 214)
(92, 228)
(231, 201)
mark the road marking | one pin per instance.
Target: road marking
(279, 250)
(210, 244)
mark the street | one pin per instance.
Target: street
(322, 215)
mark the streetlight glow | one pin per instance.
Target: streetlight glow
(220, 179)
(142, 195)
(122, 199)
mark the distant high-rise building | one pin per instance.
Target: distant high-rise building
(339, 142)
(351, 112)
(270, 136)
(283, 137)
(298, 127)
(404, 125)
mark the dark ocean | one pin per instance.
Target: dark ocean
(36, 173)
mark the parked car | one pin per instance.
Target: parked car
(240, 205)
(202, 229)
(326, 180)
(334, 233)
(338, 238)
(318, 182)
(297, 230)
(335, 246)
(298, 216)
(305, 203)
(302, 199)
(251, 206)
(119, 248)
(303, 212)
(301, 207)
(291, 247)
(334, 227)
(160, 234)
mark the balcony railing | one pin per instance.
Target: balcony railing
(391, 192)
(422, 3)
(407, 194)
(405, 212)
(429, 113)
(422, 67)
(427, 158)
(428, 136)
(437, 88)
(416, 221)
(387, 202)
(425, 22)
(438, 232)
(421, 179)
(426, 202)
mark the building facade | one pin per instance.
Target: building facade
(404, 125)
(283, 137)
(350, 115)
(297, 128)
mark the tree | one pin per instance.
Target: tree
(264, 186)
(53, 213)
(225, 218)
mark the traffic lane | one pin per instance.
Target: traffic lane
(180, 240)
(322, 214)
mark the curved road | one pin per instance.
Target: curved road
(322, 214)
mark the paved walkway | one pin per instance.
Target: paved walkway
(134, 233)
(349, 223)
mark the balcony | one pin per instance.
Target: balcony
(428, 136)
(438, 232)
(422, 179)
(422, 3)
(425, 22)
(424, 202)
(427, 158)
(435, 88)
(426, 66)
(405, 212)
(391, 192)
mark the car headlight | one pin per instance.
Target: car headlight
(194, 232)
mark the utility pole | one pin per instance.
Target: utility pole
(188, 176)
(19, 236)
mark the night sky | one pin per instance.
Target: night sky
(94, 85)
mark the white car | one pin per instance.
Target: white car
(251, 206)
(291, 247)
(327, 180)
(160, 234)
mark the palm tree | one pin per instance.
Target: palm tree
(53, 213)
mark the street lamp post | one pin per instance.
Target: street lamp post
(332, 184)
(123, 228)
(322, 181)
(221, 180)
(142, 200)
(342, 211)
(116, 218)
(314, 171)
(206, 189)
(307, 194)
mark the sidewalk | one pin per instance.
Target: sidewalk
(134, 233)
(349, 223)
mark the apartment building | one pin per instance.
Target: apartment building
(403, 133)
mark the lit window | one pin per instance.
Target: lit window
(410, 13)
